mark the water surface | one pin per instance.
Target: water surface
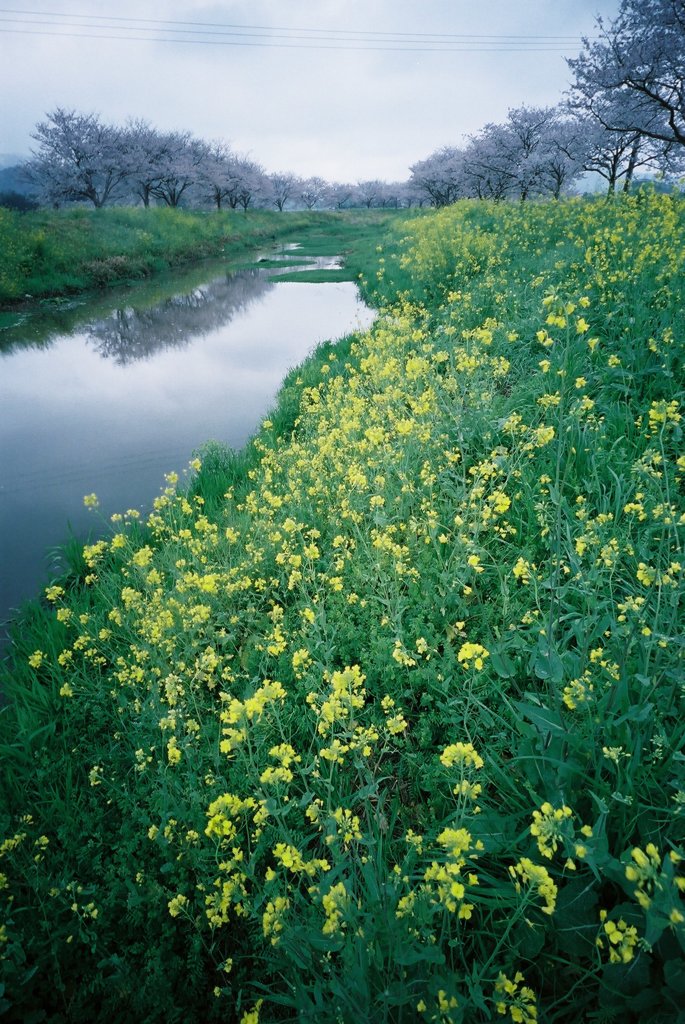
(111, 400)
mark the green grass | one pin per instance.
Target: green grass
(56, 253)
(381, 719)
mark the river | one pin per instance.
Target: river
(108, 395)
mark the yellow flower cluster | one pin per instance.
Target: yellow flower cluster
(538, 880)
(652, 881)
(515, 999)
(619, 937)
(461, 755)
(472, 653)
(548, 827)
(335, 903)
(272, 918)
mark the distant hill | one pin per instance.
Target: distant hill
(12, 159)
(667, 186)
(13, 180)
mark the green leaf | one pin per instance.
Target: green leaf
(424, 954)
(602, 805)
(548, 665)
(15, 752)
(637, 713)
(502, 664)
(529, 940)
(655, 927)
(575, 917)
(543, 719)
(674, 975)
(621, 984)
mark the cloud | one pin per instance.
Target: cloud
(307, 101)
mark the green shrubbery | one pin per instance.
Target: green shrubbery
(382, 719)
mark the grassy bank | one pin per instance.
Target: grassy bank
(61, 252)
(382, 719)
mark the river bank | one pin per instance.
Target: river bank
(62, 253)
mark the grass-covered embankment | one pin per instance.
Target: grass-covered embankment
(383, 719)
(61, 252)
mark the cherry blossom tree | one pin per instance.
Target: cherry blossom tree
(341, 195)
(393, 195)
(531, 154)
(218, 178)
(181, 159)
(632, 77)
(312, 192)
(440, 177)
(281, 188)
(613, 155)
(246, 183)
(531, 147)
(488, 171)
(79, 159)
(563, 162)
(368, 193)
(147, 155)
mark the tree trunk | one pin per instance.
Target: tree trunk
(631, 166)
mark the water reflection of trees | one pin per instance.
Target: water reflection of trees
(129, 334)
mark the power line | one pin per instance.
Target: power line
(291, 46)
(474, 44)
(380, 36)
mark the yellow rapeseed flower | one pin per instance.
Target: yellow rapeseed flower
(470, 652)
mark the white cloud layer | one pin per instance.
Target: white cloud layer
(306, 102)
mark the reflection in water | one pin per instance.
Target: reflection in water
(169, 310)
(126, 390)
(131, 334)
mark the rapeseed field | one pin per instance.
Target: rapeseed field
(383, 719)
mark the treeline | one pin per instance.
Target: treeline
(81, 158)
(623, 113)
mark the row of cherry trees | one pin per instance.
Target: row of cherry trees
(80, 158)
(540, 151)
(625, 110)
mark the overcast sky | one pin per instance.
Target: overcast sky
(344, 89)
